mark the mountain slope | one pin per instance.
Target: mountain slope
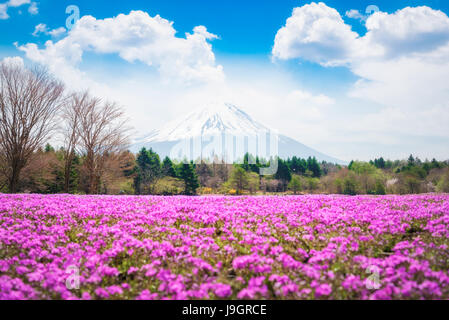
(216, 120)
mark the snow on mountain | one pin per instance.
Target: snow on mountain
(215, 118)
(219, 119)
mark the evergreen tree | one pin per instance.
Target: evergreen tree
(49, 148)
(350, 165)
(298, 166)
(250, 164)
(283, 173)
(411, 161)
(188, 174)
(379, 163)
(168, 170)
(314, 167)
(435, 164)
(148, 170)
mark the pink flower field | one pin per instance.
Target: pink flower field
(305, 247)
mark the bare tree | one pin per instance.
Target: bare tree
(29, 103)
(102, 130)
(70, 116)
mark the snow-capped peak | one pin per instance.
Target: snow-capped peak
(215, 118)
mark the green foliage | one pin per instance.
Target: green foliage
(127, 187)
(148, 170)
(312, 184)
(283, 173)
(298, 166)
(168, 169)
(186, 172)
(49, 148)
(295, 185)
(360, 167)
(350, 185)
(239, 179)
(314, 167)
(253, 182)
(250, 163)
(169, 186)
(339, 185)
(443, 185)
(379, 163)
(380, 188)
(145, 174)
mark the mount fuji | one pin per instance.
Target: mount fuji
(218, 120)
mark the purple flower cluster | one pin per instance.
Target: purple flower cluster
(298, 247)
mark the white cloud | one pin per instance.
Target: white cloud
(135, 37)
(57, 32)
(43, 28)
(355, 14)
(18, 61)
(40, 28)
(408, 31)
(402, 63)
(33, 9)
(317, 33)
(3, 11)
(317, 27)
(17, 3)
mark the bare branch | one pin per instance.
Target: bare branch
(29, 103)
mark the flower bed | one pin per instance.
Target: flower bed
(305, 247)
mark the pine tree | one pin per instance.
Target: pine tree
(168, 170)
(188, 174)
(283, 173)
(148, 170)
(298, 166)
(314, 167)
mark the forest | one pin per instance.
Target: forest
(147, 174)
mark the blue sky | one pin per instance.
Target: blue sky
(345, 104)
(245, 27)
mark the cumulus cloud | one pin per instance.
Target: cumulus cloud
(317, 33)
(408, 31)
(402, 63)
(317, 27)
(134, 37)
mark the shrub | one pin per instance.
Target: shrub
(443, 185)
(295, 185)
(169, 186)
